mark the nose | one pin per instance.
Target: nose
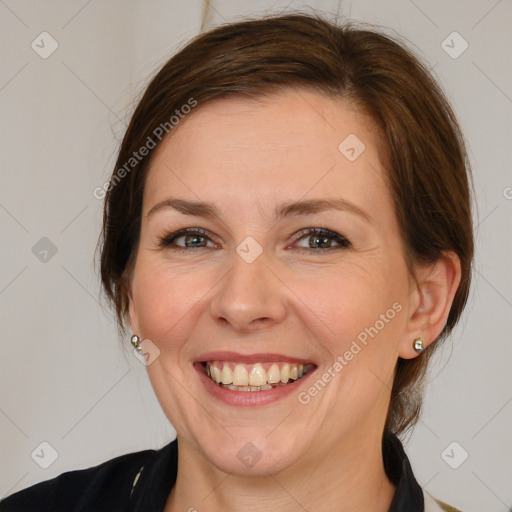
(250, 296)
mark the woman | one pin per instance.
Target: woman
(287, 234)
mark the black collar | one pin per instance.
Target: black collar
(408, 495)
(159, 476)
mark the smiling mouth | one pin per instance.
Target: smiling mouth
(254, 377)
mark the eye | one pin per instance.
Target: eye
(190, 238)
(318, 239)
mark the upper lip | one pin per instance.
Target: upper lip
(226, 355)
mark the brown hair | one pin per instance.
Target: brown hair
(426, 162)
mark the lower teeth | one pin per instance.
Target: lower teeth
(246, 388)
(265, 387)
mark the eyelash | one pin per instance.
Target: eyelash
(167, 241)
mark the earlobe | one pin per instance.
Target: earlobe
(436, 285)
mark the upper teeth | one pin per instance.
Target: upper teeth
(255, 375)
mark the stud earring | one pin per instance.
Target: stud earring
(418, 345)
(136, 342)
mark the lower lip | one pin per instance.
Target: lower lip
(248, 398)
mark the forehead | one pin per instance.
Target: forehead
(287, 144)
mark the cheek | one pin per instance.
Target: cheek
(350, 296)
(356, 312)
(166, 301)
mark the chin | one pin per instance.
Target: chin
(253, 455)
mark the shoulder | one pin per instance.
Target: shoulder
(108, 485)
(434, 505)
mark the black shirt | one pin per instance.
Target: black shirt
(109, 486)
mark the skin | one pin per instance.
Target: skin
(247, 157)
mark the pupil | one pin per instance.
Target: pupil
(321, 241)
(194, 241)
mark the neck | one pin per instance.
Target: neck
(349, 479)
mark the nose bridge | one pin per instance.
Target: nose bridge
(249, 294)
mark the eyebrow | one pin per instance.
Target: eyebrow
(303, 207)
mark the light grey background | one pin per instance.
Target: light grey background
(65, 378)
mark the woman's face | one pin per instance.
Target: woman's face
(291, 260)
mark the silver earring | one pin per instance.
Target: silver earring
(418, 345)
(136, 342)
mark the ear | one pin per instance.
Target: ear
(431, 298)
